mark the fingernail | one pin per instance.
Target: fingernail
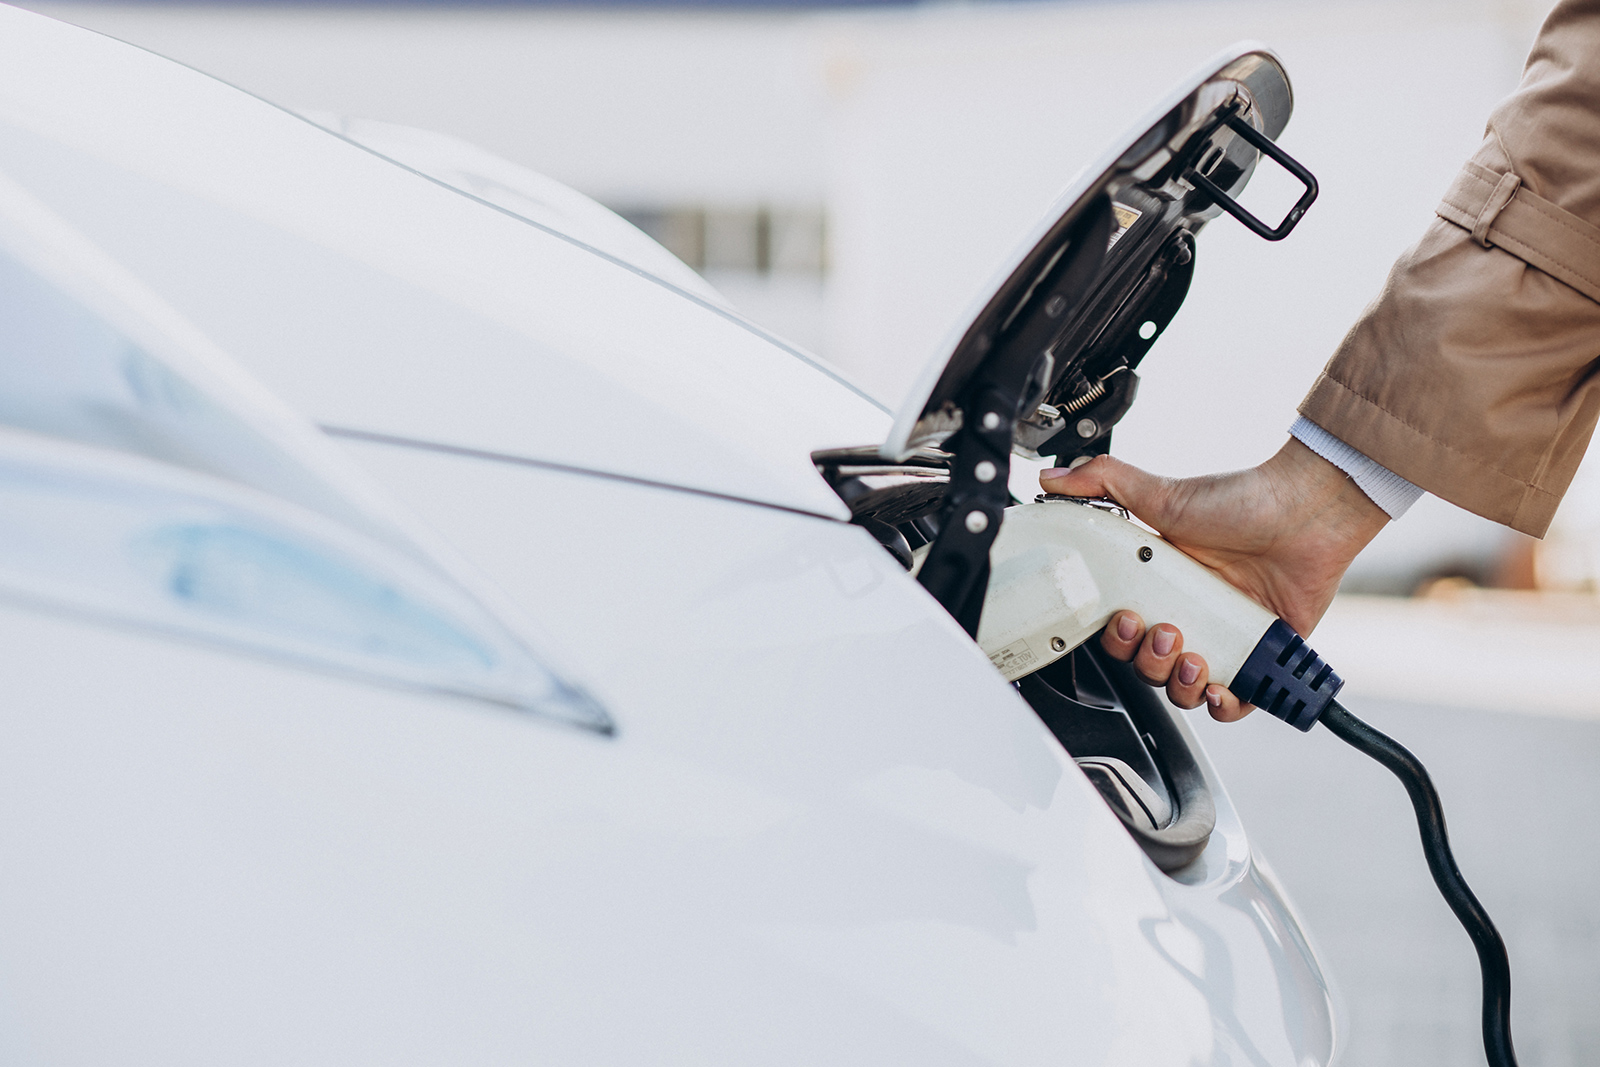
(1213, 696)
(1188, 672)
(1127, 629)
(1161, 641)
(1054, 472)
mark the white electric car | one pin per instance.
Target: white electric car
(437, 630)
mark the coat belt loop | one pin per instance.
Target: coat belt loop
(1501, 212)
(1503, 192)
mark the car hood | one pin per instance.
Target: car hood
(380, 301)
(526, 193)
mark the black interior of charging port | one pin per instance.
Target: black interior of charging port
(1122, 734)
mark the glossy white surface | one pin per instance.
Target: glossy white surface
(160, 549)
(368, 296)
(809, 660)
(826, 832)
(147, 478)
(520, 191)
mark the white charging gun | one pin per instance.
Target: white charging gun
(1062, 567)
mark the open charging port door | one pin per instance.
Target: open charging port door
(1044, 368)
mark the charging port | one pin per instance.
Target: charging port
(1122, 734)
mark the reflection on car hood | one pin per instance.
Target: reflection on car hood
(372, 298)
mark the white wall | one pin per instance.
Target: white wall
(934, 135)
(625, 105)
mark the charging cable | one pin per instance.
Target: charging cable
(1285, 676)
(1492, 959)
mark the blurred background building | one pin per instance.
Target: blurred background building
(850, 175)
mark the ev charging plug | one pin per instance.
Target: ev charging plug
(1061, 567)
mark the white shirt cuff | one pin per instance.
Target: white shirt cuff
(1387, 489)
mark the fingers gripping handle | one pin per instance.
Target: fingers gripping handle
(1060, 570)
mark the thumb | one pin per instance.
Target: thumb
(1139, 491)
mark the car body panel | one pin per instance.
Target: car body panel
(523, 192)
(833, 837)
(145, 477)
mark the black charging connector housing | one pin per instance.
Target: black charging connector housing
(1285, 676)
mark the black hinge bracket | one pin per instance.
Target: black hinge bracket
(1014, 377)
(956, 570)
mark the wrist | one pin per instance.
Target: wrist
(1326, 497)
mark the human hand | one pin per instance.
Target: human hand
(1283, 532)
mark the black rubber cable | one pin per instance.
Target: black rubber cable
(1492, 959)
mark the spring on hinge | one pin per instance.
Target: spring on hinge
(1078, 403)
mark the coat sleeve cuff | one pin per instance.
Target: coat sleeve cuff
(1442, 469)
(1386, 489)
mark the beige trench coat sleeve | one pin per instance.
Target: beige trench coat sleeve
(1474, 373)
